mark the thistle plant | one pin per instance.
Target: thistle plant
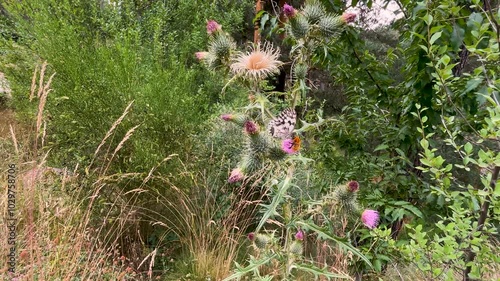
(273, 149)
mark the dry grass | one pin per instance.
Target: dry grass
(57, 233)
(211, 232)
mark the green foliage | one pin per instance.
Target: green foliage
(105, 56)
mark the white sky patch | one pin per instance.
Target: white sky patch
(380, 14)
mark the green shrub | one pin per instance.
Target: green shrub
(106, 56)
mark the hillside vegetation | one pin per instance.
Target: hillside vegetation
(232, 140)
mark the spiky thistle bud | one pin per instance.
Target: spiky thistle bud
(251, 128)
(276, 154)
(300, 71)
(299, 235)
(346, 197)
(250, 162)
(262, 240)
(236, 175)
(298, 27)
(348, 17)
(238, 119)
(353, 186)
(330, 25)
(221, 47)
(213, 27)
(289, 11)
(296, 247)
(313, 12)
(251, 236)
(258, 144)
(201, 55)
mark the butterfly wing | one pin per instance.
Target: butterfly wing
(282, 126)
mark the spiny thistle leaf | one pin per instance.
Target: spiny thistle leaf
(277, 199)
(316, 271)
(252, 267)
(342, 242)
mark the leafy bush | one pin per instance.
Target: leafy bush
(105, 56)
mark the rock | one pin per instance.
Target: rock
(5, 91)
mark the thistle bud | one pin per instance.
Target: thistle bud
(296, 247)
(261, 240)
(213, 26)
(299, 235)
(289, 11)
(348, 17)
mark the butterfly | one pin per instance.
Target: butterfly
(282, 126)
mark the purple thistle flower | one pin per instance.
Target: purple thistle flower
(201, 55)
(236, 175)
(290, 146)
(251, 128)
(299, 235)
(227, 117)
(251, 236)
(353, 186)
(213, 26)
(370, 218)
(289, 11)
(348, 17)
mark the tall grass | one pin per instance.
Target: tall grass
(56, 237)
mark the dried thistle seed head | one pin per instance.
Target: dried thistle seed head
(259, 63)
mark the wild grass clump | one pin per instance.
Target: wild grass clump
(57, 233)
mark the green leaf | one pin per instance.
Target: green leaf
(428, 19)
(381, 147)
(468, 148)
(435, 37)
(263, 20)
(253, 266)
(414, 210)
(457, 37)
(277, 199)
(472, 84)
(316, 271)
(258, 16)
